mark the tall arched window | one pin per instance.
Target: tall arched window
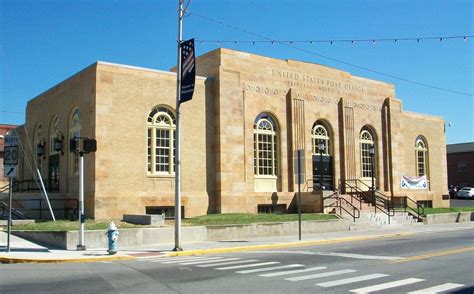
(161, 135)
(421, 153)
(74, 132)
(320, 134)
(366, 144)
(265, 146)
(53, 135)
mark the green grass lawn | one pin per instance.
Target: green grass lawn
(64, 225)
(248, 218)
(205, 220)
(448, 210)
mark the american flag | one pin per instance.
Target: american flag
(188, 71)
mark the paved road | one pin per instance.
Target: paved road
(430, 261)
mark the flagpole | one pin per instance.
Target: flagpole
(177, 207)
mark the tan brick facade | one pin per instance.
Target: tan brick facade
(218, 133)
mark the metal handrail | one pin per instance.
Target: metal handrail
(42, 207)
(417, 212)
(355, 212)
(378, 200)
(31, 186)
(15, 212)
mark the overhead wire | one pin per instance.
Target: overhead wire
(273, 41)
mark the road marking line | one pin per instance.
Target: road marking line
(269, 268)
(434, 254)
(210, 261)
(228, 263)
(437, 289)
(387, 285)
(322, 275)
(246, 265)
(201, 260)
(351, 280)
(310, 269)
(358, 256)
(194, 259)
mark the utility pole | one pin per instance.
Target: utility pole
(177, 207)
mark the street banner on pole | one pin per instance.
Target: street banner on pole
(188, 70)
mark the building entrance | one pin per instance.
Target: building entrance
(327, 174)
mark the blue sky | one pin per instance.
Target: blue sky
(43, 42)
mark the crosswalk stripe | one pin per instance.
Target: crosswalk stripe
(387, 285)
(321, 275)
(437, 289)
(269, 268)
(246, 265)
(310, 269)
(351, 280)
(209, 261)
(228, 263)
(195, 259)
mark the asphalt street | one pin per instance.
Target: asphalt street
(429, 261)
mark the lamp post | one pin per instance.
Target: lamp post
(321, 148)
(372, 154)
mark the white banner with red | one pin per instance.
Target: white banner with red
(414, 183)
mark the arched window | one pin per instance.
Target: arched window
(366, 144)
(54, 133)
(74, 132)
(421, 152)
(319, 134)
(265, 146)
(161, 141)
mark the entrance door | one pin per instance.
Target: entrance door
(53, 173)
(326, 172)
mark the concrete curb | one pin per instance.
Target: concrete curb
(5, 259)
(281, 245)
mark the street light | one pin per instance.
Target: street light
(40, 148)
(372, 154)
(321, 147)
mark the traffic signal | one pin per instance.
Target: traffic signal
(82, 145)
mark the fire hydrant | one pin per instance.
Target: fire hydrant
(112, 235)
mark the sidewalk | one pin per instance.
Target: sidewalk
(22, 251)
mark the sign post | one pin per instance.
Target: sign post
(185, 79)
(299, 158)
(81, 146)
(10, 161)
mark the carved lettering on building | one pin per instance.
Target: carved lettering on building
(312, 98)
(303, 81)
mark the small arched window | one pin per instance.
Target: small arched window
(161, 135)
(421, 152)
(74, 132)
(265, 146)
(367, 159)
(319, 135)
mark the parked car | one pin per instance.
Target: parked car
(466, 192)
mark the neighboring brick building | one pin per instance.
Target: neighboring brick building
(248, 115)
(4, 130)
(461, 164)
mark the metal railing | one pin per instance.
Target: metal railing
(408, 205)
(15, 213)
(25, 186)
(368, 195)
(352, 211)
(38, 208)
